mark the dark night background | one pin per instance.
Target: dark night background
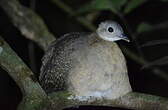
(142, 80)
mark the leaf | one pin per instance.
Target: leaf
(133, 4)
(143, 27)
(99, 5)
(118, 3)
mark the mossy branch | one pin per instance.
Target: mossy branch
(131, 100)
(29, 23)
(32, 92)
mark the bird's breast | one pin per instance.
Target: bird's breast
(99, 70)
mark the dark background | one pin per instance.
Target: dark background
(59, 23)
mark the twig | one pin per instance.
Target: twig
(132, 35)
(29, 23)
(32, 58)
(131, 100)
(31, 49)
(155, 42)
(158, 62)
(69, 11)
(143, 62)
(32, 91)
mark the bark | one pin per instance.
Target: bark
(29, 23)
(32, 92)
(131, 100)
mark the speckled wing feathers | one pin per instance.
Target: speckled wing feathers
(53, 72)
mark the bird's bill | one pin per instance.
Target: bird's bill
(124, 37)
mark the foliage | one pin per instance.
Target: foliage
(143, 27)
(99, 5)
(133, 4)
(113, 5)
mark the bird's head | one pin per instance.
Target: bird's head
(111, 31)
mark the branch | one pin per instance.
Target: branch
(132, 35)
(70, 12)
(131, 100)
(158, 62)
(32, 92)
(155, 43)
(29, 23)
(143, 62)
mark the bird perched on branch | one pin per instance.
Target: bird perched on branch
(87, 64)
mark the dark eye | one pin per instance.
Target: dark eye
(110, 29)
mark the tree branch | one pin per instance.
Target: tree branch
(131, 100)
(32, 92)
(70, 12)
(29, 23)
(143, 62)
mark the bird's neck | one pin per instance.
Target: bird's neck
(94, 39)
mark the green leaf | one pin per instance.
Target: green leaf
(143, 27)
(99, 5)
(118, 3)
(133, 4)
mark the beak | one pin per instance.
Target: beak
(124, 37)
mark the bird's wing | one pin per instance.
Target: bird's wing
(49, 53)
(46, 60)
(53, 46)
(50, 71)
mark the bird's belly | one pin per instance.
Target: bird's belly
(99, 73)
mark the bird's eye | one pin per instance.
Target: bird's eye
(110, 29)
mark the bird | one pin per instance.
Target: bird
(87, 64)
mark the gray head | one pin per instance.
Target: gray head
(111, 31)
